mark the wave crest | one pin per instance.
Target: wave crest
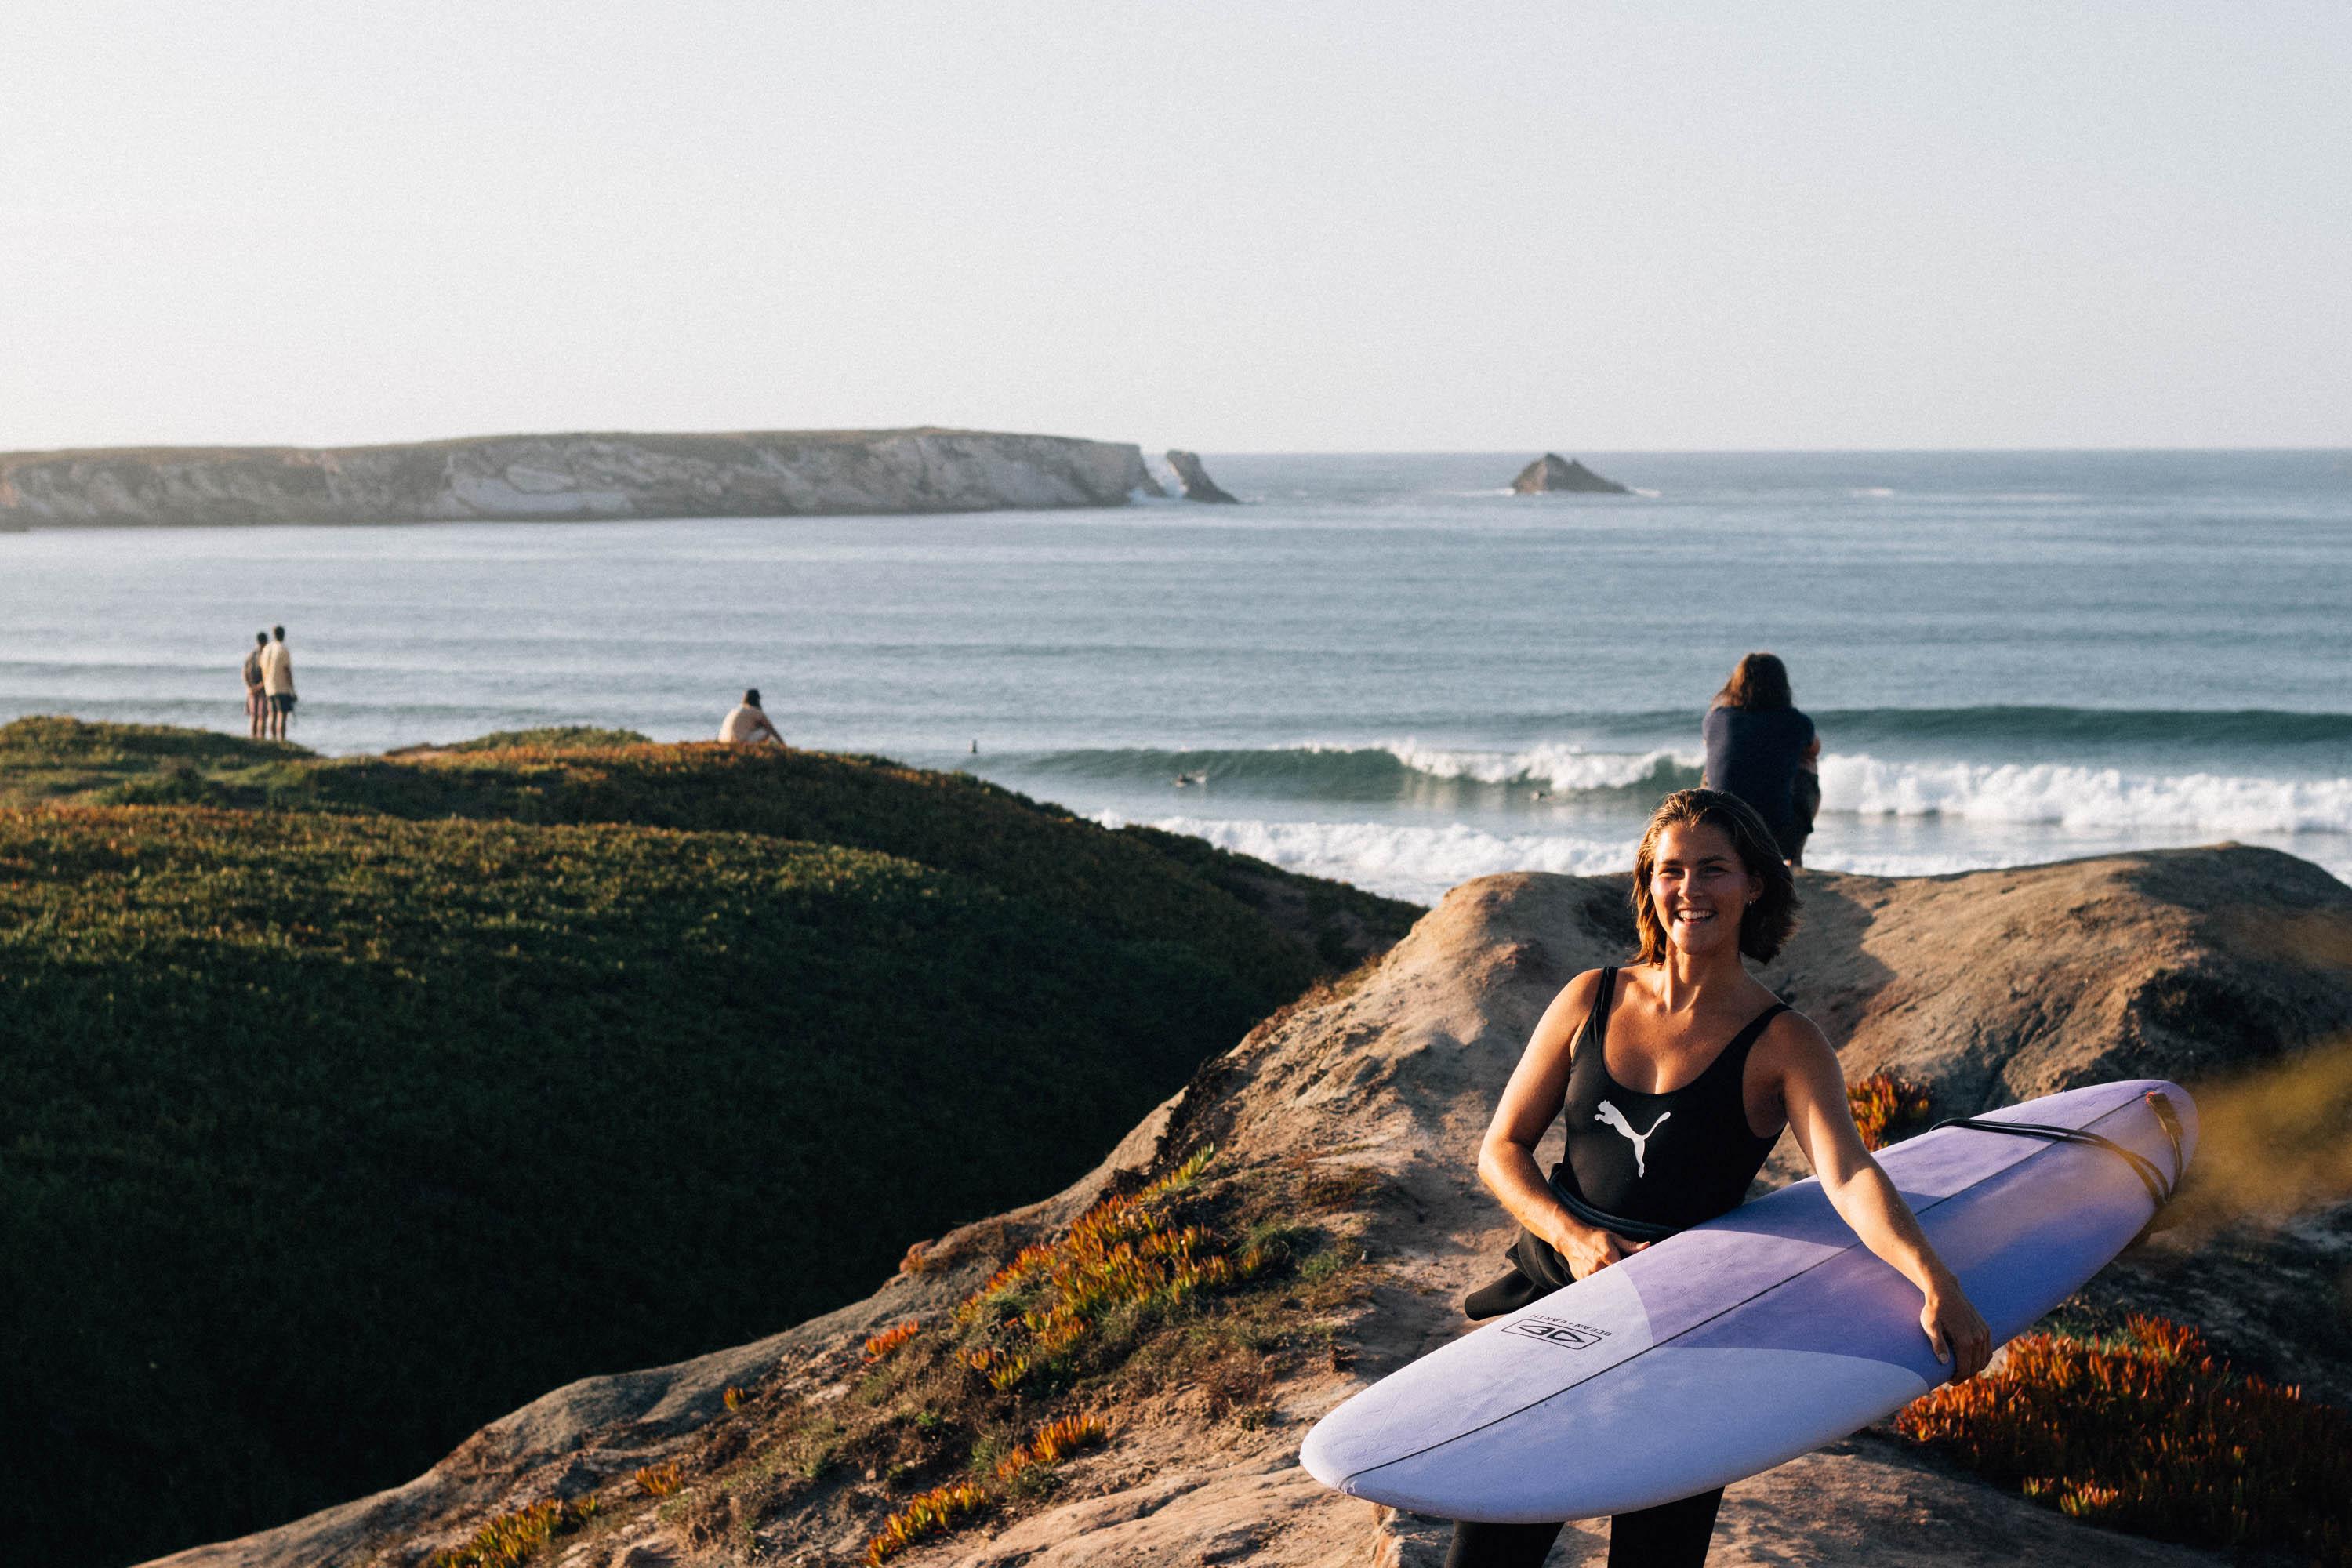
(2103, 799)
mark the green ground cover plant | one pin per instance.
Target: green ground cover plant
(552, 738)
(343, 1113)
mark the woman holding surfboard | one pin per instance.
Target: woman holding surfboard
(1676, 1074)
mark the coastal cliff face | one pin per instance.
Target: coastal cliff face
(1370, 1098)
(551, 478)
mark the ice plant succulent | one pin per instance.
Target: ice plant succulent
(1125, 1252)
(1052, 1443)
(882, 1345)
(2154, 1434)
(1885, 1107)
(513, 1538)
(935, 1512)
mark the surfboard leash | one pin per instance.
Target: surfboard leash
(2151, 1175)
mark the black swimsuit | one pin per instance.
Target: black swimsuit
(1643, 1165)
(1664, 1160)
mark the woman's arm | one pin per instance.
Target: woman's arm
(1506, 1155)
(1812, 1087)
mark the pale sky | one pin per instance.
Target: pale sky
(1243, 226)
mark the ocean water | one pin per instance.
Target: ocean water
(1383, 668)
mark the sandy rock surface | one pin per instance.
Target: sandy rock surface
(1988, 987)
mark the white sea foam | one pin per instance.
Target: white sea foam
(1403, 862)
(1562, 767)
(1420, 863)
(2085, 799)
(2061, 793)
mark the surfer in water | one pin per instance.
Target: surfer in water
(1676, 1075)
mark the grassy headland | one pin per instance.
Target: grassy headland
(350, 1103)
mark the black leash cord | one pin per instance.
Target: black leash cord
(1631, 1229)
(2150, 1175)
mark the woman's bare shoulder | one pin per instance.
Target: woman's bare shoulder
(1792, 1039)
(1580, 990)
(1565, 1016)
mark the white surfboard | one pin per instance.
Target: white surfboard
(1754, 1338)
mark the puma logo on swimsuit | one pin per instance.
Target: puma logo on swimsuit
(1616, 1118)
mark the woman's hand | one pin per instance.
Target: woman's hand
(1958, 1335)
(1586, 1250)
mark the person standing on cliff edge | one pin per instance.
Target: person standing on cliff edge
(1762, 748)
(256, 695)
(277, 681)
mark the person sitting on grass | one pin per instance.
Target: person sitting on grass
(746, 725)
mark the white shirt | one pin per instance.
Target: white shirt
(277, 670)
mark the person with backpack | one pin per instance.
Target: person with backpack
(257, 697)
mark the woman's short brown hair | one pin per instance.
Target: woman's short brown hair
(1765, 924)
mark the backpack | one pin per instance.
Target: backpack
(253, 668)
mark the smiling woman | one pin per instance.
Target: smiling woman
(1668, 1123)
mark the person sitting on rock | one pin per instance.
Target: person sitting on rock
(747, 725)
(1762, 748)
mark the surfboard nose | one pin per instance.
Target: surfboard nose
(1316, 1455)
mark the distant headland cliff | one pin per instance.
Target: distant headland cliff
(552, 477)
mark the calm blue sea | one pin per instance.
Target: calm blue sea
(1383, 668)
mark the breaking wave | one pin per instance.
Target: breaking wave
(2105, 800)
(1403, 862)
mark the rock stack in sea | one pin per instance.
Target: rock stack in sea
(1198, 485)
(1552, 473)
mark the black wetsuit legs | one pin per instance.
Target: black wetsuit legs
(1501, 1545)
(1672, 1535)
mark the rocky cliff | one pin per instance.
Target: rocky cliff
(546, 478)
(1361, 1108)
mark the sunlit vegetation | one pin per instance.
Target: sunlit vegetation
(513, 1539)
(1887, 1109)
(1130, 1254)
(935, 1512)
(945, 1508)
(658, 1480)
(1055, 1441)
(2154, 1434)
(552, 738)
(320, 1068)
(952, 1445)
(890, 1338)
